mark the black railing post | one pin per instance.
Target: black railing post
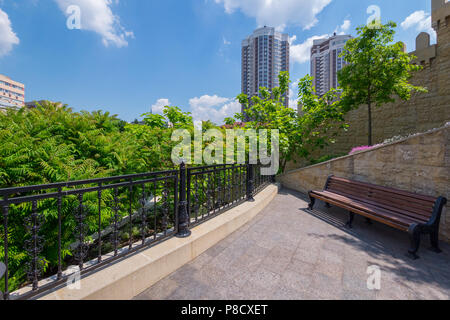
(250, 182)
(6, 253)
(183, 217)
(273, 178)
(59, 277)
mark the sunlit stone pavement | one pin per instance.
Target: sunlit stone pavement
(288, 252)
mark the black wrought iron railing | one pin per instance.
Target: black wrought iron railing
(92, 223)
(261, 181)
(213, 190)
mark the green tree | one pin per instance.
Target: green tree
(229, 121)
(377, 70)
(321, 120)
(299, 134)
(178, 118)
(154, 120)
(171, 115)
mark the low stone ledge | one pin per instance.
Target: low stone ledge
(127, 278)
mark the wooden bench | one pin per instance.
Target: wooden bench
(406, 211)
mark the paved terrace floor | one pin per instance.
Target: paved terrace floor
(288, 252)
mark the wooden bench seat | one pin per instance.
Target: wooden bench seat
(406, 211)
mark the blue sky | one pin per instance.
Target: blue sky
(133, 54)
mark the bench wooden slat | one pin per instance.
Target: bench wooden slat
(391, 190)
(377, 206)
(420, 203)
(382, 211)
(363, 213)
(394, 205)
(393, 216)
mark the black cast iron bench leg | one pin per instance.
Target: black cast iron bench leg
(414, 236)
(434, 237)
(312, 203)
(350, 220)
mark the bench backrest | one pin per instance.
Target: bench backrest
(402, 202)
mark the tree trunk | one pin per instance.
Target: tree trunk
(370, 124)
(283, 165)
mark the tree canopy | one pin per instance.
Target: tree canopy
(377, 70)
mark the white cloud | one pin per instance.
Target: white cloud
(292, 39)
(293, 103)
(344, 27)
(226, 42)
(278, 13)
(7, 36)
(97, 16)
(301, 53)
(207, 101)
(421, 21)
(158, 107)
(213, 108)
(418, 18)
(293, 95)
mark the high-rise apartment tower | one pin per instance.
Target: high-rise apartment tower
(12, 93)
(325, 62)
(264, 55)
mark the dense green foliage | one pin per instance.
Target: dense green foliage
(51, 144)
(378, 70)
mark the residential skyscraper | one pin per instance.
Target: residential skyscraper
(325, 62)
(264, 55)
(12, 93)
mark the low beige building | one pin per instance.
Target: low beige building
(12, 93)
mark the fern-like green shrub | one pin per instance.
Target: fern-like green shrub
(55, 144)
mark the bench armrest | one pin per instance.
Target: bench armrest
(437, 212)
(328, 182)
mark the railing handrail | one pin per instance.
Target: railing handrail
(215, 166)
(29, 198)
(68, 184)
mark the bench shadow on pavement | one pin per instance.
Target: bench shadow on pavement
(384, 245)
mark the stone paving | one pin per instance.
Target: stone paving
(290, 253)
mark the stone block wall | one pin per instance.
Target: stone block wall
(418, 164)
